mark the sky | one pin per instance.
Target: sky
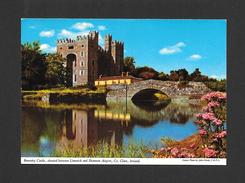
(162, 44)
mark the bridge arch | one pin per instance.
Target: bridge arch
(146, 94)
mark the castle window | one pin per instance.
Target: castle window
(70, 47)
(81, 72)
(75, 78)
(60, 48)
(82, 45)
(81, 63)
(82, 54)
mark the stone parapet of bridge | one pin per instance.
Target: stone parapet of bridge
(170, 88)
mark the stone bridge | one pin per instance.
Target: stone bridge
(170, 88)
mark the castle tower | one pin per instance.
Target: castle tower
(81, 56)
(117, 52)
(107, 44)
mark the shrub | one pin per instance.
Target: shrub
(211, 125)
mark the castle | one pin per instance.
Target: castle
(87, 60)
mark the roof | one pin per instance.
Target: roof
(117, 77)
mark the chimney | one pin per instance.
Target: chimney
(122, 74)
(126, 73)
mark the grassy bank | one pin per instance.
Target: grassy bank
(131, 150)
(65, 95)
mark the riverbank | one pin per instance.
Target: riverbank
(191, 145)
(66, 95)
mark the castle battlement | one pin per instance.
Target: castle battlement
(91, 36)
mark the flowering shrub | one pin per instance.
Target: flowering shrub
(210, 142)
(211, 125)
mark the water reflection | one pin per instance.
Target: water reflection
(44, 130)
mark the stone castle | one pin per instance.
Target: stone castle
(87, 60)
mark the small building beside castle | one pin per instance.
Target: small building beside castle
(87, 60)
(111, 80)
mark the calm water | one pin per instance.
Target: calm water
(44, 130)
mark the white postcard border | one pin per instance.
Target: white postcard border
(123, 161)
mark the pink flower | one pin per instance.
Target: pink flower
(209, 153)
(217, 122)
(174, 151)
(221, 134)
(203, 132)
(213, 104)
(208, 116)
(199, 115)
(214, 96)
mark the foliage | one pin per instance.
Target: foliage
(55, 73)
(210, 142)
(216, 85)
(146, 73)
(197, 76)
(33, 66)
(105, 150)
(40, 70)
(129, 65)
(211, 124)
(179, 75)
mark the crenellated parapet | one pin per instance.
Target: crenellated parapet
(64, 41)
(93, 35)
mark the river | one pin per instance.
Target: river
(43, 130)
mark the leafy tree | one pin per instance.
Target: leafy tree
(174, 76)
(162, 76)
(33, 66)
(183, 74)
(129, 64)
(55, 74)
(146, 73)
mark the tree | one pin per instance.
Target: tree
(146, 73)
(179, 75)
(129, 65)
(55, 73)
(183, 74)
(33, 66)
(162, 76)
(196, 75)
(174, 76)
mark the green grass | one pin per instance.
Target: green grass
(131, 150)
(74, 91)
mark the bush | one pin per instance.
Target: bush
(217, 85)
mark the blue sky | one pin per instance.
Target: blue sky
(162, 44)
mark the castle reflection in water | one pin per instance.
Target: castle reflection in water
(44, 130)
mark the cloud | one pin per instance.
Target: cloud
(64, 33)
(101, 27)
(48, 33)
(195, 57)
(172, 49)
(47, 48)
(82, 26)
